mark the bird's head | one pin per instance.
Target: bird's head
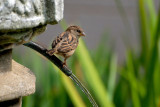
(76, 30)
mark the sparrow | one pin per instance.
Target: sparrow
(66, 43)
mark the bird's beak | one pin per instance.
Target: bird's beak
(83, 34)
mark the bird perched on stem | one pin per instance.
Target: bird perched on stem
(66, 43)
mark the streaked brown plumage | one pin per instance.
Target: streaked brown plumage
(66, 43)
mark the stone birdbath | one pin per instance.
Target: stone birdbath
(20, 21)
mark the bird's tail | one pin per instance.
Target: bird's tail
(51, 52)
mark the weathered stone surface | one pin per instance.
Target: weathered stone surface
(20, 20)
(6, 60)
(10, 39)
(22, 14)
(16, 83)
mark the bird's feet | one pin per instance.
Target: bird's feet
(64, 64)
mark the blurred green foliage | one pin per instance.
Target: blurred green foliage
(135, 83)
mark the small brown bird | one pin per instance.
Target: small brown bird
(66, 43)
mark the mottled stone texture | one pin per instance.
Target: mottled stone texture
(20, 14)
(16, 83)
(6, 60)
(20, 20)
(10, 39)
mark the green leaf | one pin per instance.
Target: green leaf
(112, 76)
(92, 76)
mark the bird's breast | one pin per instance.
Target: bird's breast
(68, 54)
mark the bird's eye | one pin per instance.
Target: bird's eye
(78, 31)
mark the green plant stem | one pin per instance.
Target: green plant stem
(152, 63)
(144, 31)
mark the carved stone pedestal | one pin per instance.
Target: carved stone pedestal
(15, 81)
(20, 21)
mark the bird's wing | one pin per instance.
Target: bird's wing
(68, 44)
(56, 43)
(59, 39)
